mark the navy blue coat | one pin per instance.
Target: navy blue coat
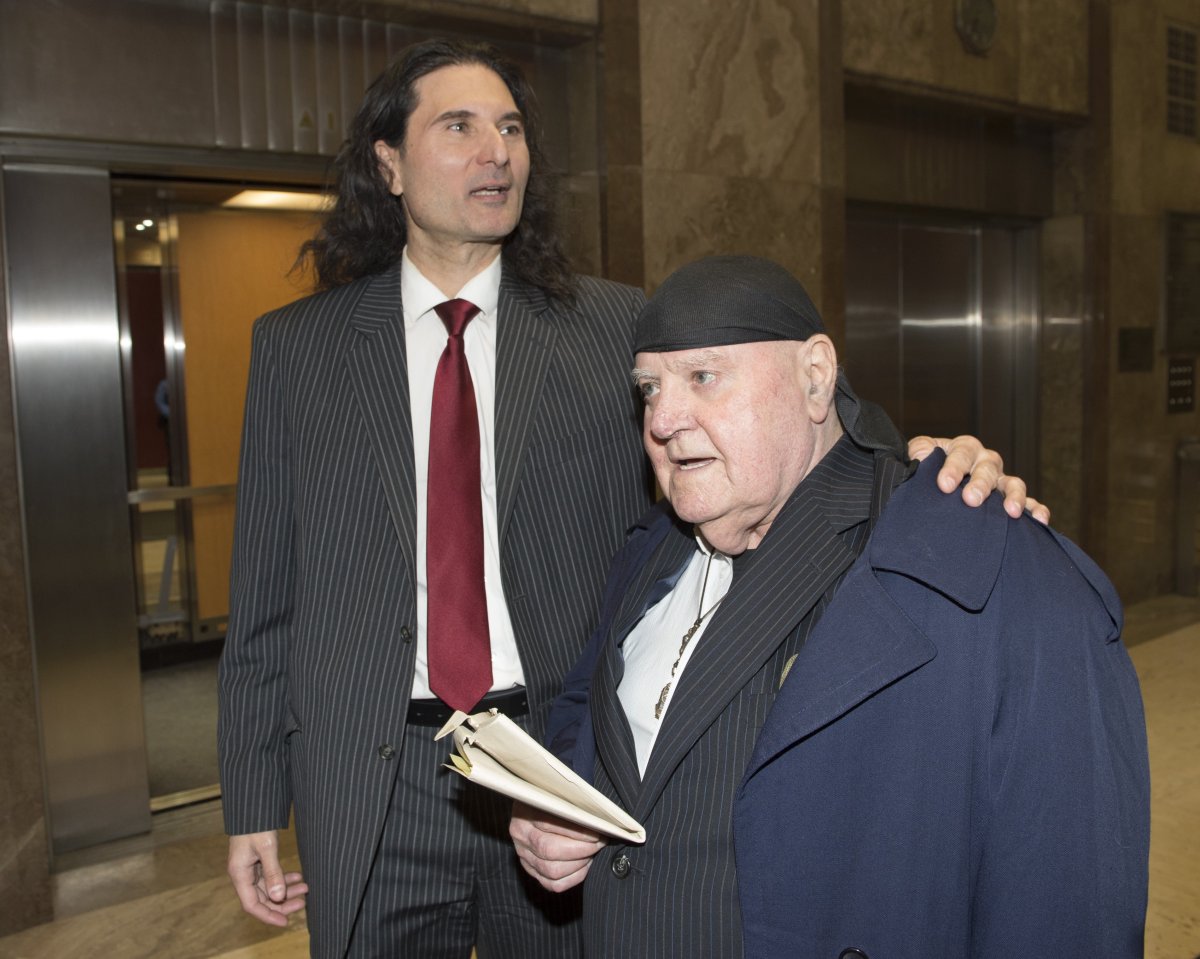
(956, 763)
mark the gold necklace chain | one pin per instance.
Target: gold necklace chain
(687, 637)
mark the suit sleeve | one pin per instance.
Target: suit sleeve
(1063, 868)
(252, 687)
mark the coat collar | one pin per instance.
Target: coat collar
(799, 559)
(931, 537)
(865, 641)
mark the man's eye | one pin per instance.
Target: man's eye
(458, 127)
(647, 390)
(701, 377)
(512, 130)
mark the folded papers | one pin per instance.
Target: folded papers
(493, 751)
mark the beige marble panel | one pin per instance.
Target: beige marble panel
(1140, 547)
(1060, 371)
(1073, 152)
(889, 38)
(1061, 392)
(993, 75)
(625, 261)
(1053, 52)
(1138, 86)
(1143, 436)
(918, 43)
(731, 89)
(579, 218)
(690, 215)
(1137, 257)
(1038, 56)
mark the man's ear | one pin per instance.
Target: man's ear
(389, 164)
(820, 367)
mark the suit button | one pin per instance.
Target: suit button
(386, 751)
(406, 634)
(620, 866)
(853, 954)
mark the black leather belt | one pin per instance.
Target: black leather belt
(433, 712)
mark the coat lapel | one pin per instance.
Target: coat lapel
(801, 558)
(796, 563)
(377, 369)
(614, 738)
(863, 643)
(525, 339)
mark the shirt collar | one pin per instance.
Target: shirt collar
(703, 543)
(420, 296)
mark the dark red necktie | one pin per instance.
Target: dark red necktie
(458, 645)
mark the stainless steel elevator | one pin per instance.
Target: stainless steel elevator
(942, 327)
(71, 439)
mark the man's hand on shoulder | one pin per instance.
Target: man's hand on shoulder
(264, 889)
(556, 853)
(965, 455)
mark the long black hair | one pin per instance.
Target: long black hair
(365, 230)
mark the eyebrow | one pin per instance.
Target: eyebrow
(468, 114)
(702, 358)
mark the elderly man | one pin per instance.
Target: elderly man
(912, 726)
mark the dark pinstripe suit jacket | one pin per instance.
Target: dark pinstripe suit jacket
(318, 665)
(678, 896)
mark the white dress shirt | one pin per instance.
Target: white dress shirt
(652, 646)
(425, 339)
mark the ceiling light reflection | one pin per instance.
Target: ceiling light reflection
(278, 200)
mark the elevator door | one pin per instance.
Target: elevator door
(941, 329)
(195, 267)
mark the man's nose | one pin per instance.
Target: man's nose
(494, 149)
(668, 416)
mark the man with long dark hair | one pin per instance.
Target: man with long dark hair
(330, 684)
(438, 460)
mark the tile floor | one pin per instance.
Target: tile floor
(166, 895)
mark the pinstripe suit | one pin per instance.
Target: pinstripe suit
(318, 666)
(677, 894)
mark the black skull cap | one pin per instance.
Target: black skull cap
(723, 300)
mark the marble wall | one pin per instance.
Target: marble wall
(1152, 173)
(731, 131)
(1060, 372)
(1038, 57)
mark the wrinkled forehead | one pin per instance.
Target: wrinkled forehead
(656, 362)
(725, 357)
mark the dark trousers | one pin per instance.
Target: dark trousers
(446, 879)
